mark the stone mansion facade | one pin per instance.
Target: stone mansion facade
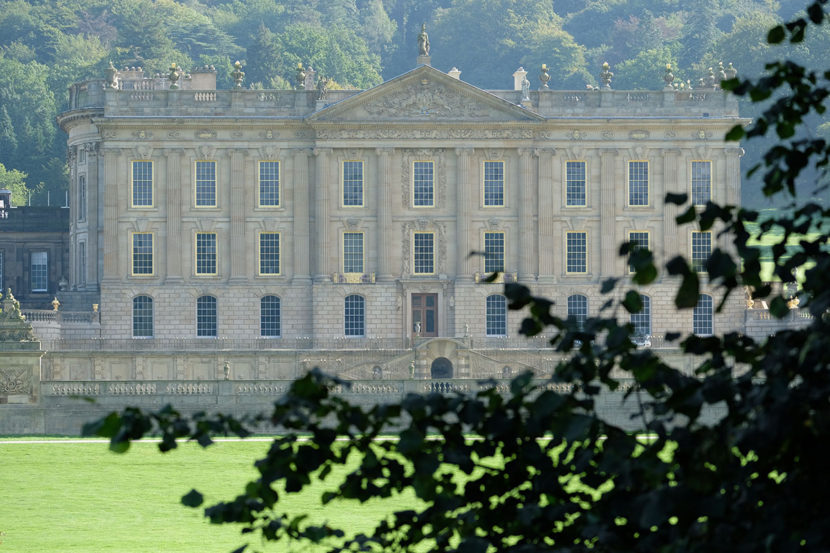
(285, 221)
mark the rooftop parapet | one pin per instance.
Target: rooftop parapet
(160, 102)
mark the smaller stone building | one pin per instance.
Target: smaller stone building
(34, 251)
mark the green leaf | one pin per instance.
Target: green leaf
(192, 499)
(776, 35)
(608, 284)
(677, 199)
(735, 133)
(687, 216)
(815, 13)
(778, 307)
(633, 303)
(687, 295)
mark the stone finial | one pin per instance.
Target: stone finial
(112, 76)
(518, 76)
(423, 41)
(55, 304)
(310, 82)
(173, 76)
(710, 80)
(300, 76)
(13, 325)
(237, 74)
(731, 72)
(668, 77)
(606, 75)
(544, 76)
(455, 73)
(721, 72)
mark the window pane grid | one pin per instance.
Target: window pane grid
(352, 183)
(39, 272)
(637, 183)
(642, 320)
(142, 253)
(638, 241)
(352, 252)
(577, 252)
(575, 183)
(701, 182)
(702, 316)
(496, 316)
(269, 253)
(701, 250)
(578, 309)
(206, 316)
(142, 317)
(354, 315)
(269, 183)
(423, 183)
(493, 183)
(269, 317)
(205, 253)
(205, 183)
(493, 252)
(423, 247)
(142, 183)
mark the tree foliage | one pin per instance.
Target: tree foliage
(733, 461)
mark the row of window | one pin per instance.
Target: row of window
(702, 315)
(423, 184)
(354, 316)
(423, 244)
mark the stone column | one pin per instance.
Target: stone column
(526, 241)
(237, 240)
(93, 275)
(546, 246)
(300, 210)
(466, 192)
(110, 223)
(321, 215)
(384, 213)
(174, 216)
(669, 229)
(609, 241)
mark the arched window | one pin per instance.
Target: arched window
(702, 317)
(142, 317)
(269, 317)
(206, 316)
(496, 316)
(354, 313)
(578, 309)
(642, 320)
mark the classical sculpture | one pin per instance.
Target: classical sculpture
(606, 75)
(112, 76)
(544, 76)
(423, 41)
(300, 77)
(322, 88)
(237, 74)
(173, 76)
(668, 76)
(525, 89)
(731, 72)
(13, 325)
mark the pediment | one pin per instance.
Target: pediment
(424, 94)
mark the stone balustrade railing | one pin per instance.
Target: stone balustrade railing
(71, 317)
(243, 102)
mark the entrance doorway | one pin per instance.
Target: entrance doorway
(441, 368)
(425, 314)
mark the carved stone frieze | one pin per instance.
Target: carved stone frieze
(428, 101)
(638, 134)
(205, 133)
(142, 134)
(15, 380)
(439, 133)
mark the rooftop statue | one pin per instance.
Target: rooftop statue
(423, 41)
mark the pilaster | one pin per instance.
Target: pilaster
(466, 193)
(527, 239)
(672, 184)
(110, 252)
(384, 213)
(321, 214)
(300, 211)
(549, 168)
(174, 216)
(609, 179)
(238, 246)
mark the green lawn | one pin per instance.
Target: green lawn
(62, 497)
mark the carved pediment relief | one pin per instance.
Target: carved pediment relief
(424, 94)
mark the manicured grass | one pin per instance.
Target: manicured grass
(81, 498)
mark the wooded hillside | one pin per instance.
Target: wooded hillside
(47, 44)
